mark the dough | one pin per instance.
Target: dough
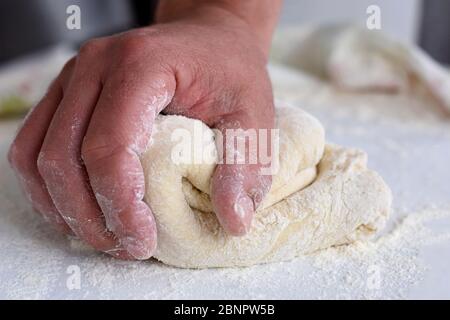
(322, 196)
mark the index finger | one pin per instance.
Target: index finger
(118, 134)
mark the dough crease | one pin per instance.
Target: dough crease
(322, 195)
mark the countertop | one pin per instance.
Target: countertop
(407, 143)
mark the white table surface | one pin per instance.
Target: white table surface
(411, 153)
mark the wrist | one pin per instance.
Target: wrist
(257, 18)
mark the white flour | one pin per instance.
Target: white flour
(407, 144)
(36, 261)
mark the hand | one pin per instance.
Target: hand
(77, 154)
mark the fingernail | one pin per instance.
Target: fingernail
(138, 249)
(244, 209)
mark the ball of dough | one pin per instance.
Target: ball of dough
(321, 196)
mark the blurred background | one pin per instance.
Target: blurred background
(30, 25)
(36, 40)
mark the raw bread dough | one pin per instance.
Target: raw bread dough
(322, 195)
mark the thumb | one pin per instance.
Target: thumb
(242, 179)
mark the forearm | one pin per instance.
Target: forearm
(260, 15)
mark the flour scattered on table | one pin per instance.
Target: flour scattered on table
(407, 143)
(38, 264)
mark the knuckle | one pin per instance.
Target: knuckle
(49, 163)
(96, 149)
(130, 48)
(42, 163)
(17, 158)
(130, 45)
(14, 157)
(60, 82)
(90, 147)
(68, 66)
(91, 48)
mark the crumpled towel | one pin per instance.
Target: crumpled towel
(357, 59)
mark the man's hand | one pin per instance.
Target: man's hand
(77, 154)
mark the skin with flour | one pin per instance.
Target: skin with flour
(77, 154)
